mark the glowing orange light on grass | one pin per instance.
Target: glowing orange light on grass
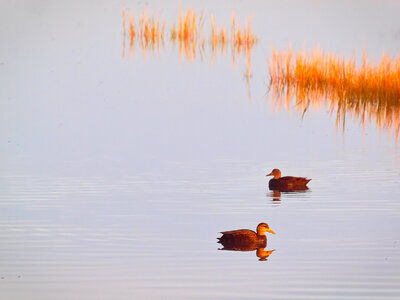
(148, 33)
(242, 36)
(371, 91)
(187, 33)
(218, 40)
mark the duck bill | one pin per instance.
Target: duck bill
(270, 231)
(270, 174)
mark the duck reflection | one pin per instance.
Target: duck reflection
(275, 195)
(247, 240)
(263, 254)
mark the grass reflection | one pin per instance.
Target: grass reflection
(149, 34)
(367, 92)
(188, 35)
(188, 32)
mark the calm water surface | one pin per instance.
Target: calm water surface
(118, 172)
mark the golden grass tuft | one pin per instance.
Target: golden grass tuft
(369, 91)
(150, 29)
(188, 32)
(242, 37)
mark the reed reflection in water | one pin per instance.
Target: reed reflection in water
(368, 92)
(148, 34)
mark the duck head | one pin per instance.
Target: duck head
(276, 173)
(262, 228)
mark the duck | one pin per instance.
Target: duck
(245, 239)
(286, 183)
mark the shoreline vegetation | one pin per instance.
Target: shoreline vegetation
(366, 91)
(150, 32)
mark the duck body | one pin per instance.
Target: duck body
(242, 240)
(287, 183)
(245, 239)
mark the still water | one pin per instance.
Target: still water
(120, 166)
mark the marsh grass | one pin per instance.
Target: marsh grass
(187, 33)
(370, 91)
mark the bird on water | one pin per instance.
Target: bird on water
(245, 239)
(288, 183)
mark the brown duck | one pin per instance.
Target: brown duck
(286, 183)
(245, 239)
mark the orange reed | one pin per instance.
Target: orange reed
(369, 91)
